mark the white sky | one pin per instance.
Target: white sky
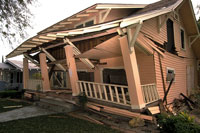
(48, 12)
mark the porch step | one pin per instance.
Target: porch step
(57, 104)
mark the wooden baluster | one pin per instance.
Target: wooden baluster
(117, 95)
(100, 93)
(105, 92)
(85, 87)
(81, 86)
(89, 85)
(111, 94)
(146, 94)
(123, 95)
(95, 91)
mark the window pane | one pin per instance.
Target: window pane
(182, 39)
(89, 23)
(79, 26)
(170, 37)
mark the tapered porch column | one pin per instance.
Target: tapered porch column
(25, 73)
(73, 76)
(97, 75)
(44, 72)
(132, 74)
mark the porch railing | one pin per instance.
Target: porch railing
(35, 84)
(107, 92)
(150, 93)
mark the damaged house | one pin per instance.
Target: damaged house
(122, 54)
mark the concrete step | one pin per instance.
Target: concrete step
(57, 104)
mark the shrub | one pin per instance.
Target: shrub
(11, 94)
(181, 123)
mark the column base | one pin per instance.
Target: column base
(138, 106)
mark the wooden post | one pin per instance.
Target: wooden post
(97, 75)
(132, 74)
(73, 76)
(44, 72)
(25, 73)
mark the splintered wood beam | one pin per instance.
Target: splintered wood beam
(31, 59)
(135, 35)
(105, 16)
(82, 15)
(52, 59)
(48, 38)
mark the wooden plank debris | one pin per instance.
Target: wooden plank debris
(9, 107)
(121, 112)
(154, 110)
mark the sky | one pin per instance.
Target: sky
(48, 12)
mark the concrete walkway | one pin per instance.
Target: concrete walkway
(22, 113)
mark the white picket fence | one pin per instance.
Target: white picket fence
(107, 92)
(35, 84)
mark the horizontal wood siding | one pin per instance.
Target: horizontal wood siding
(179, 63)
(146, 68)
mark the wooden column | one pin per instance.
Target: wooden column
(132, 74)
(73, 76)
(44, 72)
(25, 73)
(97, 75)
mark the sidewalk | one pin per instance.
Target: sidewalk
(22, 113)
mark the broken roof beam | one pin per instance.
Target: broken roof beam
(52, 59)
(28, 46)
(77, 52)
(31, 59)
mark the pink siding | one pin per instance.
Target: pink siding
(170, 60)
(146, 68)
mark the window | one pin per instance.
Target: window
(79, 26)
(182, 39)
(89, 23)
(86, 23)
(170, 74)
(170, 37)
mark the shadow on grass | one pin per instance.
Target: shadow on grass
(59, 123)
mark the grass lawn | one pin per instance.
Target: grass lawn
(62, 123)
(6, 102)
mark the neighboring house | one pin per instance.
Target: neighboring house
(11, 71)
(125, 54)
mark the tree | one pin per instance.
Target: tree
(14, 18)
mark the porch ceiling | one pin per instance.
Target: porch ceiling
(107, 49)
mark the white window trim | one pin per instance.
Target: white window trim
(169, 68)
(84, 22)
(184, 49)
